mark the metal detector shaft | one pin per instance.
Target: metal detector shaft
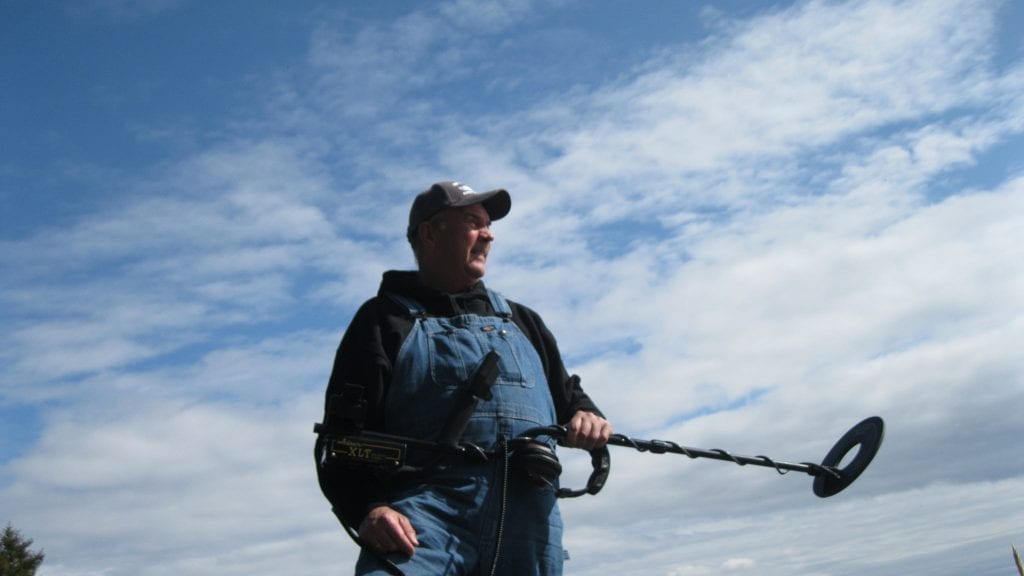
(829, 480)
(665, 446)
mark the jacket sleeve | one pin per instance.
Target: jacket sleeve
(566, 391)
(360, 360)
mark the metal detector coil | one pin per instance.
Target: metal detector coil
(867, 435)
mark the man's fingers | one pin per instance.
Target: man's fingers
(588, 431)
(386, 530)
(407, 541)
(409, 531)
(398, 535)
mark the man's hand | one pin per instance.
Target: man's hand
(588, 431)
(385, 530)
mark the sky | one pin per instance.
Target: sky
(750, 225)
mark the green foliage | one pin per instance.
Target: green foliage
(15, 557)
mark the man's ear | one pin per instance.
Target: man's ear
(426, 234)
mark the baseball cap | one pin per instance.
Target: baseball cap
(443, 195)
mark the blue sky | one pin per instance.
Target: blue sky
(750, 225)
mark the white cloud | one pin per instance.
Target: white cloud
(734, 564)
(779, 85)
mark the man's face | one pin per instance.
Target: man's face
(461, 245)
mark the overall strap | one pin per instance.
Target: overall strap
(500, 305)
(413, 307)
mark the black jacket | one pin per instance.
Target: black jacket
(370, 346)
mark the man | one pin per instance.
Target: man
(409, 353)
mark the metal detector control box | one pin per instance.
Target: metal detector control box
(364, 453)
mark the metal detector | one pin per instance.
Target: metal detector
(386, 452)
(829, 478)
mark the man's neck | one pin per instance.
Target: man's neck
(446, 285)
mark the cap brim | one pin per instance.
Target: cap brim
(496, 202)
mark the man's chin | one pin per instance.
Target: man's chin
(476, 270)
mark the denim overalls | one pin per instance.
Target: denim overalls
(456, 508)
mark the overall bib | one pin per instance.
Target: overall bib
(456, 507)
